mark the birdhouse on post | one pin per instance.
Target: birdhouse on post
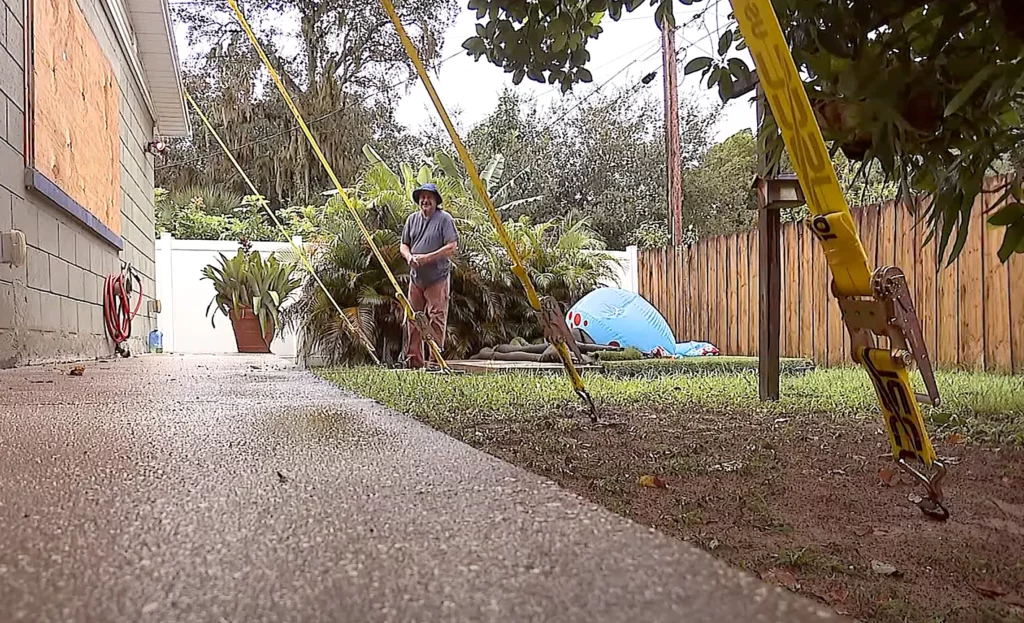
(781, 191)
(773, 194)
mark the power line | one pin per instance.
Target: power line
(410, 79)
(640, 17)
(679, 31)
(643, 46)
(580, 103)
(555, 88)
(263, 139)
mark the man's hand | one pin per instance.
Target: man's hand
(420, 259)
(406, 253)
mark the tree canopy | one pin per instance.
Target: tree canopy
(342, 64)
(603, 161)
(928, 92)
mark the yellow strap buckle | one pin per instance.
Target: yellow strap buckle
(552, 319)
(873, 304)
(890, 313)
(422, 323)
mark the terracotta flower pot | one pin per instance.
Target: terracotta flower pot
(247, 332)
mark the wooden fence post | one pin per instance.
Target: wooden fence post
(770, 284)
(773, 194)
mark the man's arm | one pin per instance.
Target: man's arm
(406, 253)
(447, 250)
(404, 247)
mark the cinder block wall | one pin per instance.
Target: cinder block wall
(51, 308)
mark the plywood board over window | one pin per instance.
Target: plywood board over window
(75, 122)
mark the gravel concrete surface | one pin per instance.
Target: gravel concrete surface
(241, 488)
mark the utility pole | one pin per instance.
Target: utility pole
(673, 155)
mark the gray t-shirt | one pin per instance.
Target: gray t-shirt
(423, 235)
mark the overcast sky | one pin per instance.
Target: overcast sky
(625, 52)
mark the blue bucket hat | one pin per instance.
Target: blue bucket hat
(431, 188)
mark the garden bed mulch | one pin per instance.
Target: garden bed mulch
(812, 503)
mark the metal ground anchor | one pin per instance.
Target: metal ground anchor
(931, 505)
(591, 409)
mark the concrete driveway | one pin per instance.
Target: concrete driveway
(235, 488)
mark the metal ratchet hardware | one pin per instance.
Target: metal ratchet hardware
(891, 313)
(552, 319)
(890, 284)
(556, 332)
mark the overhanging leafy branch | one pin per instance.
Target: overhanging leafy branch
(928, 91)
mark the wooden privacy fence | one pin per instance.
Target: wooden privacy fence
(972, 311)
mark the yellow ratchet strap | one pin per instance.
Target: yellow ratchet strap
(555, 329)
(873, 303)
(356, 332)
(412, 317)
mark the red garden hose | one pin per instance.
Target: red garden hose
(117, 311)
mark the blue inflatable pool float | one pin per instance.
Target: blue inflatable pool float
(622, 318)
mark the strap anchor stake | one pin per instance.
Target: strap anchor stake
(930, 505)
(556, 332)
(422, 324)
(889, 312)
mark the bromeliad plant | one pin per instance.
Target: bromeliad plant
(246, 284)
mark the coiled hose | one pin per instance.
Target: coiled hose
(117, 310)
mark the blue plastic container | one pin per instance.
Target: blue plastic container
(156, 341)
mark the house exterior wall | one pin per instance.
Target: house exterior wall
(51, 307)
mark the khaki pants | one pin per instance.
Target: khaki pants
(434, 301)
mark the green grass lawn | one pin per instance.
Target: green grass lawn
(695, 366)
(983, 407)
(788, 487)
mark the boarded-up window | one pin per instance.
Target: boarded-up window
(75, 125)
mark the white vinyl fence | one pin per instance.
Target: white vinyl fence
(184, 295)
(627, 276)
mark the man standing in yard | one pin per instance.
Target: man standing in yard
(429, 240)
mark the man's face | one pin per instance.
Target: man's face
(427, 201)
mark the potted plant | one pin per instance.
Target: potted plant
(250, 291)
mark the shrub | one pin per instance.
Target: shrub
(564, 259)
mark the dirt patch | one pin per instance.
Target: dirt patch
(805, 502)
